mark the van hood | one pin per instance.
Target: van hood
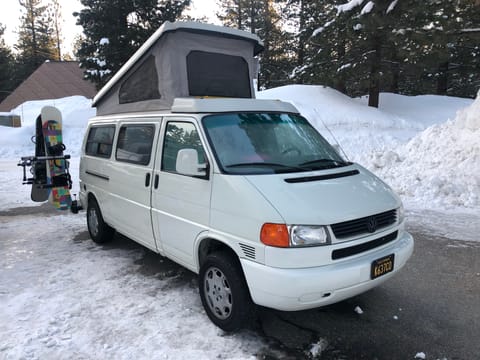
(326, 197)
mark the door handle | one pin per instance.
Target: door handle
(147, 180)
(155, 184)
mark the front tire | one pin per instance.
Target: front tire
(224, 292)
(99, 231)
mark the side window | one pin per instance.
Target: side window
(100, 140)
(180, 135)
(134, 143)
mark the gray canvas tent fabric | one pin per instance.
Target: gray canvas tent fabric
(183, 59)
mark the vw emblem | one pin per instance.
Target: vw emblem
(371, 224)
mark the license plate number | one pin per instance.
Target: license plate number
(382, 266)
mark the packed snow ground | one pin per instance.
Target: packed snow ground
(63, 296)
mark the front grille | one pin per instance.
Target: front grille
(365, 225)
(357, 249)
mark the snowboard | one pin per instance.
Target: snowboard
(58, 178)
(39, 168)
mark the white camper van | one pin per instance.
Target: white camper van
(244, 192)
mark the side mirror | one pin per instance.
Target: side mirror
(187, 163)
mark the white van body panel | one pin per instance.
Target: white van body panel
(239, 208)
(309, 287)
(129, 194)
(180, 212)
(340, 199)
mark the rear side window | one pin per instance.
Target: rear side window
(100, 140)
(135, 143)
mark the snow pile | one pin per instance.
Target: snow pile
(64, 298)
(76, 110)
(409, 141)
(439, 167)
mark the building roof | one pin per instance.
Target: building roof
(52, 80)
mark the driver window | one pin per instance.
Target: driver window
(178, 136)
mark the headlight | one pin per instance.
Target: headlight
(303, 235)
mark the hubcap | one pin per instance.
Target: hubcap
(218, 293)
(93, 222)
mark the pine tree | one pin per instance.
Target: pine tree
(263, 18)
(56, 16)
(35, 43)
(401, 46)
(115, 29)
(6, 67)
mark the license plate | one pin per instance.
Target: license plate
(382, 266)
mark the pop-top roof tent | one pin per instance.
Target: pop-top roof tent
(183, 59)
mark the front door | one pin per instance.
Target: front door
(180, 203)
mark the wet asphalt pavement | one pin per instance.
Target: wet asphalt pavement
(432, 307)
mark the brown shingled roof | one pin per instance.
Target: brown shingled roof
(52, 80)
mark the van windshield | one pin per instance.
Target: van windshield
(268, 143)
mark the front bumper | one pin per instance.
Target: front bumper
(306, 288)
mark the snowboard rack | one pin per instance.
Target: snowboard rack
(56, 181)
(31, 161)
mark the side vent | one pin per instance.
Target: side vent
(248, 251)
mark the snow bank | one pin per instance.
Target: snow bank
(76, 110)
(431, 161)
(439, 167)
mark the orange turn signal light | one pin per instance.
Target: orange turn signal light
(275, 235)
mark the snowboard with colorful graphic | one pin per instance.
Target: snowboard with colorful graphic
(58, 177)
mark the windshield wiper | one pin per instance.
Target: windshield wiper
(326, 163)
(267, 164)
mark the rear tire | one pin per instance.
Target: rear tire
(224, 292)
(99, 231)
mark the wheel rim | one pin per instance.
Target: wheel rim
(218, 293)
(93, 222)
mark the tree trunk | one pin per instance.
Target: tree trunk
(302, 39)
(239, 20)
(374, 86)
(339, 80)
(442, 79)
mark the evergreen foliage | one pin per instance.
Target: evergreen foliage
(56, 16)
(115, 29)
(265, 19)
(35, 38)
(6, 67)
(403, 46)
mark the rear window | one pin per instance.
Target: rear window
(135, 144)
(100, 140)
(215, 74)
